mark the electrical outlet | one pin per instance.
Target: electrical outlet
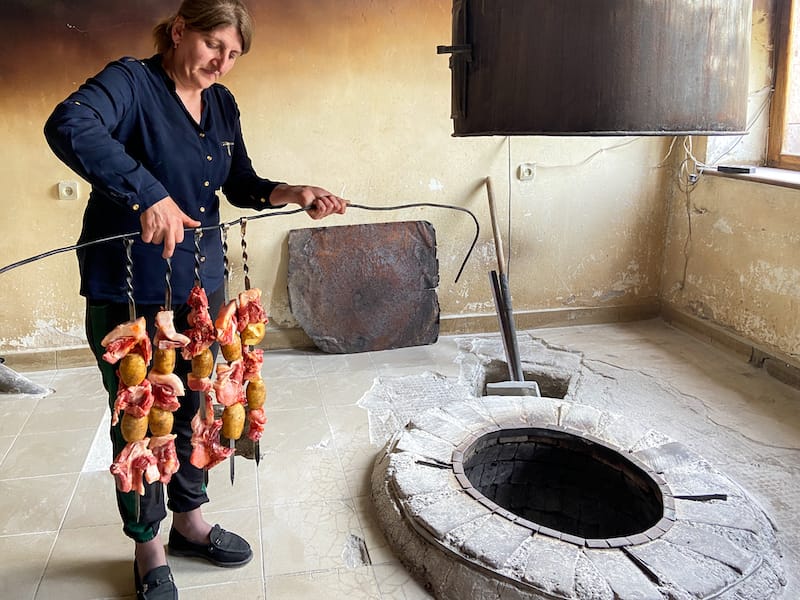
(526, 171)
(67, 190)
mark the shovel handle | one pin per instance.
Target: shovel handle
(498, 244)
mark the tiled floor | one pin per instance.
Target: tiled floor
(307, 508)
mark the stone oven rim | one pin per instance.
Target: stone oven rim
(516, 430)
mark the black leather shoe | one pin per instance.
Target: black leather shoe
(157, 584)
(225, 549)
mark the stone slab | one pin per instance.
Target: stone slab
(685, 570)
(413, 479)
(668, 456)
(449, 513)
(360, 288)
(623, 576)
(551, 565)
(424, 444)
(711, 545)
(495, 541)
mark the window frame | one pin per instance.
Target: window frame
(776, 157)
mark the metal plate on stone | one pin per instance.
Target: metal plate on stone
(360, 288)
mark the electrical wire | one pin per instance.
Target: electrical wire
(133, 234)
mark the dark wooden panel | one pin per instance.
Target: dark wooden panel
(600, 67)
(362, 288)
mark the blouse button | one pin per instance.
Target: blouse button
(202, 259)
(202, 209)
(206, 184)
(135, 207)
(202, 135)
(209, 158)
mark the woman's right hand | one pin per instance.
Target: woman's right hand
(164, 222)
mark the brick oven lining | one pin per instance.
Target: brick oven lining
(564, 485)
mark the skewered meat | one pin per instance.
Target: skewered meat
(252, 360)
(163, 448)
(228, 384)
(166, 336)
(166, 389)
(226, 323)
(202, 333)
(198, 384)
(257, 419)
(134, 465)
(121, 340)
(135, 401)
(250, 309)
(207, 452)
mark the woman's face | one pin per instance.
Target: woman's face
(201, 58)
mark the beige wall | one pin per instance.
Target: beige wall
(733, 249)
(350, 95)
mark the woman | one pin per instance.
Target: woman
(156, 138)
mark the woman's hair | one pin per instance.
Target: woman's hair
(205, 15)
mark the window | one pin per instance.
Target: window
(784, 137)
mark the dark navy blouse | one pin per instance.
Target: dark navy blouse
(127, 133)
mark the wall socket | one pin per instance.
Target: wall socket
(526, 171)
(67, 190)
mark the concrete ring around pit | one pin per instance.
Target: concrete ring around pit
(461, 534)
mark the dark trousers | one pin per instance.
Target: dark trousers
(187, 489)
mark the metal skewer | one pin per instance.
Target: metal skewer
(226, 291)
(246, 271)
(137, 500)
(198, 257)
(168, 286)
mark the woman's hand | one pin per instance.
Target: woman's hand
(164, 223)
(319, 202)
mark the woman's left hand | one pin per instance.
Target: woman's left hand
(319, 202)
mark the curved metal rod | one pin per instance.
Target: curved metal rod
(132, 234)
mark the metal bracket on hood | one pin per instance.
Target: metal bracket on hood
(460, 49)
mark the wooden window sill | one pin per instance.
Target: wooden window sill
(768, 175)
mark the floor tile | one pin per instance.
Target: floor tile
(292, 393)
(287, 363)
(342, 363)
(14, 412)
(23, 563)
(95, 502)
(341, 584)
(34, 505)
(5, 445)
(83, 385)
(380, 552)
(395, 583)
(308, 537)
(90, 562)
(101, 451)
(47, 454)
(242, 494)
(339, 390)
(303, 476)
(62, 414)
(250, 589)
(293, 430)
